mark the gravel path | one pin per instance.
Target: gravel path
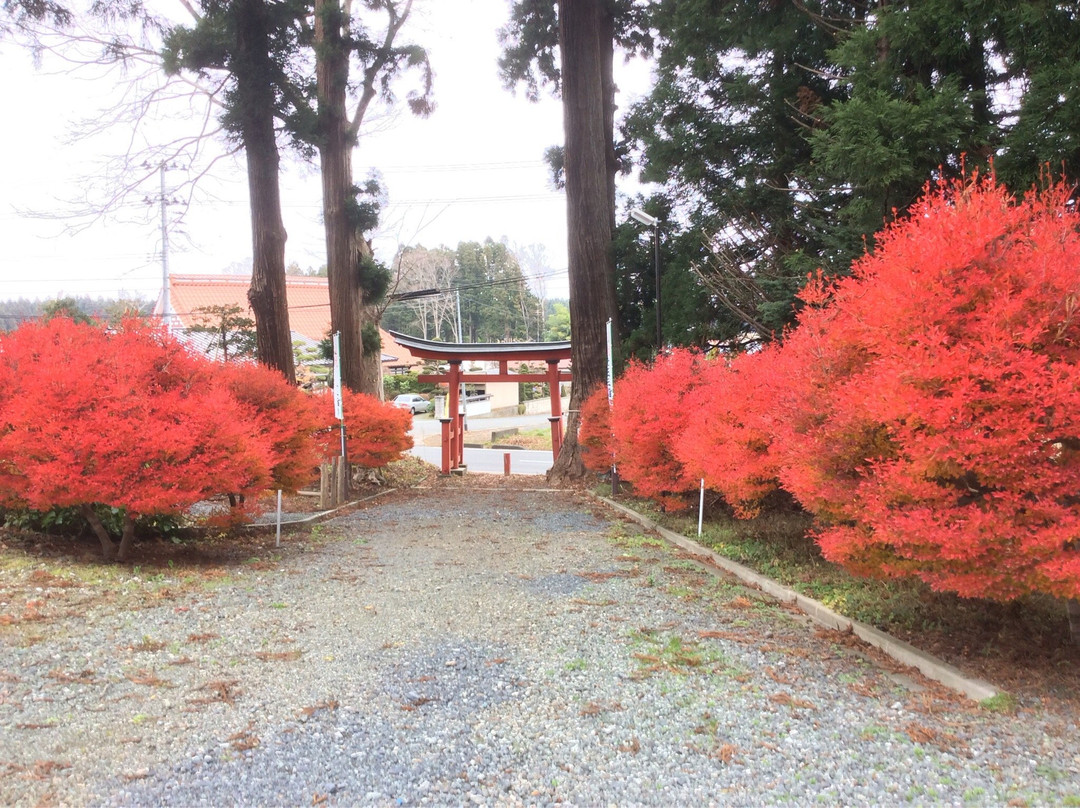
(487, 647)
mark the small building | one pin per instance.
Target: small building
(308, 302)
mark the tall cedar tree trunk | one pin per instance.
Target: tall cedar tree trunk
(255, 96)
(360, 370)
(586, 49)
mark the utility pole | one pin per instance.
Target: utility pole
(460, 335)
(168, 316)
(166, 305)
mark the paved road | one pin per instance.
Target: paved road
(486, 461)
(490, 461)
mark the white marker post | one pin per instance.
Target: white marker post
(701, 507)
(277, 540)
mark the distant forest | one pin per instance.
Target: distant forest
(15, 312)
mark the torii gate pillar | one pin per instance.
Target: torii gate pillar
(556, 407)
(453, 426)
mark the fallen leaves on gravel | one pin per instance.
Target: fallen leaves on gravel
(244, 739)
(146, 645)
(779, 678)
(633, 746)
(788, 700)
(279, 656)
(597, 707)
(597, 576)
(147, 678)
(945, 741)
(329, 704)
(727, 635)
(84, 677)
(724, 753)
(40, 770)
(220, 690)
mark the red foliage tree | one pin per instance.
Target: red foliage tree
(280, 414)
(935, 425)
(652, 406)
(594, 431)
(377, 432)
(124, 418)
(730, 445)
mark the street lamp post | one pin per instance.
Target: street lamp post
(651, 221)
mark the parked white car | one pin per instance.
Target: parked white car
(413, 402)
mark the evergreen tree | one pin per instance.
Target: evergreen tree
(254, 44)
(784, 138)
(356, 64)
(690, 314)
(558, 321)
(724, 132)
(938, 88)
(585, 33)
(233, 332)
(496, 304)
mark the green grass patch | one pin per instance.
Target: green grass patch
(1001, 703)
(621, 535)
(538, 438)
(669, 653)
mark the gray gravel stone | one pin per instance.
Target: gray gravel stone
(491, 647)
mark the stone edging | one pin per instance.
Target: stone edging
(287, 524)
(904, 653)
(319, 515)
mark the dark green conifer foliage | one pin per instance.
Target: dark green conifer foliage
(496, 304)
(785, 134)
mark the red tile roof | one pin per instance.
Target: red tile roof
(308, 301)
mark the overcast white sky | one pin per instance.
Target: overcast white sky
(472, 170)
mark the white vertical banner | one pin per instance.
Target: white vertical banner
(339, 409)
(610, 367)
(610, 402)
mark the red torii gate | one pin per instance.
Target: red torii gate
(454, 353)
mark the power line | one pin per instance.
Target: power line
(427, 169)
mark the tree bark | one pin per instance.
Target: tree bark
(345, 246)
(255, 100)
(1072, 607)
(586, 48)
(127, 538)
(108, 546)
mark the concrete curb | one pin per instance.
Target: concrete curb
(902, 652)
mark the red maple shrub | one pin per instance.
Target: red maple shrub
(125, 418)
(286, 417)
(934, 424)
(651, 407)
(594, 431)
(730, 445)
(376, 432)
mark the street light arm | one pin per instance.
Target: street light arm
(638, 215)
